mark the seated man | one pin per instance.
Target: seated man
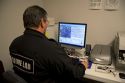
(38, 59)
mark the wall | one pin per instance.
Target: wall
(102, 24)
(11, 24)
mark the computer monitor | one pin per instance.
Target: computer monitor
(72, 34)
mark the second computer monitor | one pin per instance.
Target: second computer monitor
(72, 34)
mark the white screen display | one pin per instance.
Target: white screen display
(72, 33)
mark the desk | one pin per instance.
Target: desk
(103, 77)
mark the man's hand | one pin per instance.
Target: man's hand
(85, 63)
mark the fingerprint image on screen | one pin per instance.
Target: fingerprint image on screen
(65, 31)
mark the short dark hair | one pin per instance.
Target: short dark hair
(33, 15)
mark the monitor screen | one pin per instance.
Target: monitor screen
(72, 33)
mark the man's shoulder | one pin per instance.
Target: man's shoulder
(17, 38)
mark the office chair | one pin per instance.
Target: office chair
(9, 76)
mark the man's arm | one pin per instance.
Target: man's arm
(63, 64)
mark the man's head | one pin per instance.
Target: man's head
(35, 17)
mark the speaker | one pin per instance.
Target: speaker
(88, 49)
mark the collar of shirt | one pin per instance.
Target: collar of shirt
(34, 32)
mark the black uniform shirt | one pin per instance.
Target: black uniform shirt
(47, 60)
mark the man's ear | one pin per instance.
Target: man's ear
(42, 23)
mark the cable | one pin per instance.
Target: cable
(105, 69)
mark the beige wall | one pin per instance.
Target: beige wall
(102, 24)
(11, 24)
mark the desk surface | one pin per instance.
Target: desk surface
(103, 77)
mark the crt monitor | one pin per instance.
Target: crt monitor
(72, 34)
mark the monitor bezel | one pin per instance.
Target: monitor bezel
(68, 43)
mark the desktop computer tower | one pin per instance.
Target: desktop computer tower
(119, 51)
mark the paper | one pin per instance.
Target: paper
(111, 4)
(95, 4)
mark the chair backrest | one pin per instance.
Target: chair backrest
(1, 71)
(11, 77)
(1, 67)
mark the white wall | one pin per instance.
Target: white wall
(102, 24)
(11, 24)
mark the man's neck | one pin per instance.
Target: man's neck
(41, 30)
